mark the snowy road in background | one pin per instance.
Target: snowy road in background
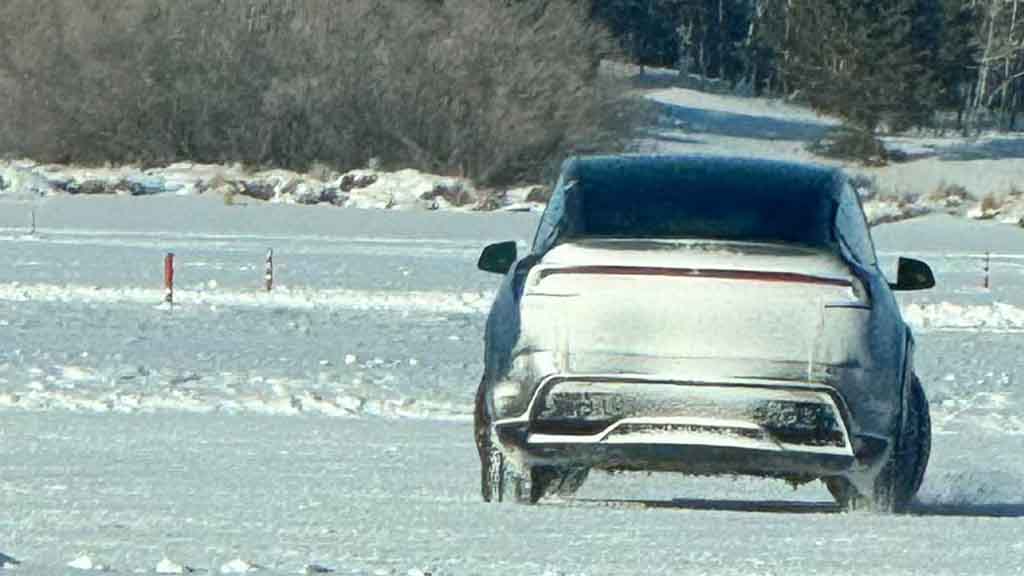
(328, 423)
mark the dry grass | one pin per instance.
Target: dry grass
(992, 204)
(454, 193)
(945, 191)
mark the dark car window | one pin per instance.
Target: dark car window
(712, 210)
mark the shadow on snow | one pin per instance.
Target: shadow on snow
(736, 125)
(998, 510)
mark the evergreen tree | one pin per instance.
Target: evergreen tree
(956, 62)
(647, 29)
(859, 59)
(714, 36)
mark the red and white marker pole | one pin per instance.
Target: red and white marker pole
(269, 273)
(169, 278)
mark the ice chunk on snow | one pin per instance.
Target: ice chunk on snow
(239, 566)
(350, 359)
(168, 566)
(86, 562)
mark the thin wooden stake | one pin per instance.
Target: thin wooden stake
(269, 275)
(988, 268)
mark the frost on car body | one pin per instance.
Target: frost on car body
(705, 316)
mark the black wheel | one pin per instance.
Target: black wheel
(503, 482)
(500, 480)
(903, 473)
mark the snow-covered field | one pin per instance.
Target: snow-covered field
(327, 425)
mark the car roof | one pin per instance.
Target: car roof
(694, 170)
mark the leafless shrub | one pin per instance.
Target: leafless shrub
(350, 182)
(484, 89)
(866, 186)
(991, 205)
(455, 193)
(540, 194)
(950, 195)
(850, 143)
(490, 200)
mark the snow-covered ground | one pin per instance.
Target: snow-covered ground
(327, 424)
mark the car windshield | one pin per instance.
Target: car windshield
(726, 209)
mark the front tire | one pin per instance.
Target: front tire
(903, 473)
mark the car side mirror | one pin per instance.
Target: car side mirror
(913, 275)
(498, 258)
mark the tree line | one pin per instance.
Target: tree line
(485, 89)
(876, 63)
(494, 90)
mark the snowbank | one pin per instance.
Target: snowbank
(414, 190)
(401, 190)
(949, 316)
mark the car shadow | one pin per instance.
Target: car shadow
(736, 125)
(999, 510)
(763, 506)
